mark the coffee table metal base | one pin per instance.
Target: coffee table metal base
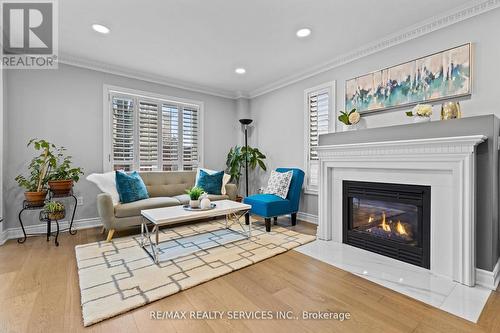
(152, 247)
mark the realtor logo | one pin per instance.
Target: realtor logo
(29, 34)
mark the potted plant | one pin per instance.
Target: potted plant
(63, 175)
(350, 119)
(194, 196)
(235, 163)
(39, 168)
(55, 210)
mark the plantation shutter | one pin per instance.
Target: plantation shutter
(122, 133)
(189, 138)
(170, 134)
(318, 124)
(148, 136)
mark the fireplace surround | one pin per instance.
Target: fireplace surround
(388, 219)
(445, 164)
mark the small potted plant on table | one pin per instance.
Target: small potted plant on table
(55, 210)
(63, 174)
(39, 168)
(194, 196)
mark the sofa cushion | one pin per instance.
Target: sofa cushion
(216, 197)
(210, 183)
(167, 183)
(268, 205)
(130, 187)
(134, 208)
(225, 179)
(184, 198)
(279, 183)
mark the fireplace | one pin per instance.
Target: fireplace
(388, 219)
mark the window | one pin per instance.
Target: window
(318, 104)
(148, 132)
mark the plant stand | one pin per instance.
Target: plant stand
(43, 216)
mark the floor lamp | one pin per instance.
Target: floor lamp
(245, 123)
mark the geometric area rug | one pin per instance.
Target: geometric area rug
(119, 276)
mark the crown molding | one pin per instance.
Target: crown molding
(72, 60)
(456, 15)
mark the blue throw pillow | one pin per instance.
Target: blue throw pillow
(130, 187)
(210, 183)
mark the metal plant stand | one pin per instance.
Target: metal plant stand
(43, 216)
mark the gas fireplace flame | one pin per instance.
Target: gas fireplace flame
(384, 225)
(401, 229)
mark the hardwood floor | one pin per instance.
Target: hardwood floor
(39, 293)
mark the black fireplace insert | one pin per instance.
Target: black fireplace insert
(388, 219)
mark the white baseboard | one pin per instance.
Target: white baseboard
(307, 217)
(489, 279)
(13, 233)
(3, 236)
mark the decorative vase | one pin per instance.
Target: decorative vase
(194, 203)
(350, 127)
(35, 199)
(61, 187)
(420, 119)
(205, 202)
(450, 110)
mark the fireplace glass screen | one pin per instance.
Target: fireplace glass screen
(388, 219)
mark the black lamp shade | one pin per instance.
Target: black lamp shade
(246, 121)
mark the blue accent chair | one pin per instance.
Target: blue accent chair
(271, 206)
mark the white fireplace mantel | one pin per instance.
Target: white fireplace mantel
(446, 164)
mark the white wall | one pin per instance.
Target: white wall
(279, 114)
(2, 100)
(64, 106)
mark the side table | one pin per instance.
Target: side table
(44, 218)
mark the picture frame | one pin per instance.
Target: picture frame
(441, 76)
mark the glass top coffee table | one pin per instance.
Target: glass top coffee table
(158, 217)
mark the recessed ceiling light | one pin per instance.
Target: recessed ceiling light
(101, 28)
(304, 32)
(240, 70)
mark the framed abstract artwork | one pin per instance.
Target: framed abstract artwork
(441, 76)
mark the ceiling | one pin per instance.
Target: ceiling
(199, 43)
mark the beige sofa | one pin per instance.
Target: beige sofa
(165, 188)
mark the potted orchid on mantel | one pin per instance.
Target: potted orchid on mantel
(350, 119)
(421, 113)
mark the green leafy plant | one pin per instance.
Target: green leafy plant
(63, 169)
(54, 206)
(195, 192)
(39, 167)
(50, 164)
(235, 161)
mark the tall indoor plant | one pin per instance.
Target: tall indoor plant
(39, 169)
(235, 162)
